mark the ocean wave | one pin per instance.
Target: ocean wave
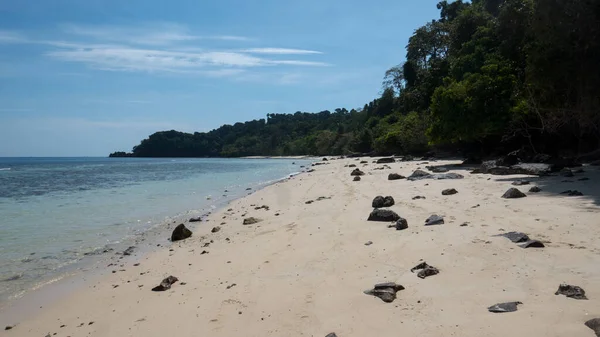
(4, 168)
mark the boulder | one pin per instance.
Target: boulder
(418, 175)
(535, 189)
(331, 335)
(401, 224)
(356, 178)
(165, 284)
(504, 307)
(594, 324)
(380, 201)
(215, 229)
(572, 193)
(449, 191)
(532, 244)
(196, 219)
(513, 193)
(180, 233)
(571, 291)
(386, 160)
(251, 221)
(357, 172)
(515, 236)
(491, 167)
(520, 182)
(385, 291)
(395, 176)
(383, 215)
(434, 220)
(352, 165)
(437, 169)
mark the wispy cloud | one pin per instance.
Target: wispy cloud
(11, 37)
(280, 51)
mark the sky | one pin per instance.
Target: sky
(86, 78)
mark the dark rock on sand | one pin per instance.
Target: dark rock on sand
(425, 270)
(434, 220)
(196, 219)
(418, 197)
(331, 335)
(166, 284)
(449, 191)
(520, 182)
(504, 307)
(418, 175)
(380, 201)
(385, 291)
(594, 324)
(437, 169)
(8, 327)
(571, 291)
(352, 165)
(492, 167)
(532, 244)
(357, 178)
(368, 243)
(515, 237)
(401, 224)
(215, 229)
(180, 233)
(251, 221)
(386, 160)
(384, 215)
(128, 251)
(357, 172)
(535, 189)
(572, 193)
(395, 176)
(513, 193)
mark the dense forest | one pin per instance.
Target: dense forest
(487, 76)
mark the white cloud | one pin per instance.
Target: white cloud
(280, 51)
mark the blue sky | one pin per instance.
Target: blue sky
(85, 78)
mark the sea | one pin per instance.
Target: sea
(58, 213)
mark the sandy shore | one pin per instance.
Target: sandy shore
(303, 269)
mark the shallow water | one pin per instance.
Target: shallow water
(55, 211)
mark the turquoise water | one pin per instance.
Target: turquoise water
(56, 212)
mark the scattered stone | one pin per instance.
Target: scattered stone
(535, 189)
(572, 193)
(368, 243)
(566, 173)
(231, 286)
(249, 188)
(395, 176)
(251, 221)
(520, 182)
(324, 159)
(386, 160)
(401, 224)
(532, 244)
(357, 178)
(384, 215)
(215, 229)
(464, 224)
(166, 284)
(515, 237)
(513, 193)
(196, 219)
(380, 201)
(418, 175)
(180, 233)
(323, 198)
(425, 270)
(437, 169)
(9, 327)
(129, 251)
(418, 197)
(309, 202)
(265, 207)
(594, 324)
(352, 165)
(449, 191)
(357, 172)
(364, 162)
(331, 335)
(504, 307)
(311, 170)
(571, 291)
(434, 220)
(385, 291)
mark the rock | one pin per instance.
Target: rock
(8, 327)
(434, 220)
(437, 169)
(364, 162)
(572, 193)
(418, 197)
(215, 229)
(386, 160)
(265, 207)
(311, 170)
(513, 193)
(352, 165)
(251, 221)
(504, 307)
(515, 236)
(368, 243)
(535, 189)
(395, 176)
(357, 172)
(331, 335)
(571, 291)
(418, 175)
(180, 233)
(532, 244)
(309, 202)
(492, 167)
(449, 191)
(165, 284)
(408, 158)
(401, 224)
(566, 173)
(357, 178)
(385, 291)
(380, 201)
(520, 182)
(324, 159)
(594, 324)
(425, 270)
(584, 179)
(196, 219)
(384, 215)
(249, 189)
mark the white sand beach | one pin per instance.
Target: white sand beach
(302, 270)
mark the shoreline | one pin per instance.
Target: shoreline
(302, 269)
